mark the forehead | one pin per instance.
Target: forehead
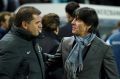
(36, 17)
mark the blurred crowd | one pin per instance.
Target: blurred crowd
(11, 5)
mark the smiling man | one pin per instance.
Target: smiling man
(85, 56)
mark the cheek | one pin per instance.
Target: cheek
(79, 27)
(35, 26)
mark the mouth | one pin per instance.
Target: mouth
(39, 30)
(73, 27)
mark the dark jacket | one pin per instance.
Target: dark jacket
(49, 42)
(2, 32)
(98, 57)
(114, 41)
(18, 58)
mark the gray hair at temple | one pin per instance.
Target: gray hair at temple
(88, 16)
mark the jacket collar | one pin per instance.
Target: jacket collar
(48, 34)
(22, 33)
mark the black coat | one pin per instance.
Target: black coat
(49, 43)
(18, 58)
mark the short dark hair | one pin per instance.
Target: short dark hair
(50, 22)
(25, 14)
(89, 16)
(71, 7)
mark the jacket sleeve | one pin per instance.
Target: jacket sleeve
(9, 63)
(55, 61)
(110, 65)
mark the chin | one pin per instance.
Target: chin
(73, 32)
(36, 34)
(40, 31)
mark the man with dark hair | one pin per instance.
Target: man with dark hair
(4, 23)
(49, 41)
(19, 57)
(66, 30)
(85, 55)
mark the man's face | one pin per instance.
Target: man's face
(35, 26)
(79, 27)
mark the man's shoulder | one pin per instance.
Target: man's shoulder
(7, 38)
(10, 40)
(100, 42)
(115, 35)
(6, 44)
(68, 39)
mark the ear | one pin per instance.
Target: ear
(88, 28)
(56, 31)
(24, 24)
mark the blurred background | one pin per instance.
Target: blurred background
(108, 10)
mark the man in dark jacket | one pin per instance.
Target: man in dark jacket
(19, 59)
(49, 42)
(114, 40)
(66, 30)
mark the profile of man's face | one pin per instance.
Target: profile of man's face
(35, 26)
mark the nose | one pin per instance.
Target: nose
(40, 27)
(73, 21)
